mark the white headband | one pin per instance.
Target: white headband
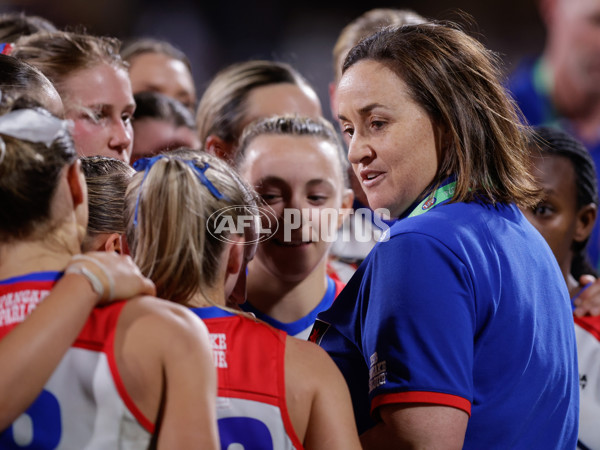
(32, 126)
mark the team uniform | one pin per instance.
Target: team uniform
(531, 91)
(301, 328)
(587, 333)
(463, 306)
(250, 358)
(84, 404)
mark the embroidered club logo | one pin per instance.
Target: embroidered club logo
(429, 203)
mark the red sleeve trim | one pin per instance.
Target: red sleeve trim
(591, 324)
(436, 398)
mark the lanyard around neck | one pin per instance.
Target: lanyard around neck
(440, 195)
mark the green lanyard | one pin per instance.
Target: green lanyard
(440, 195)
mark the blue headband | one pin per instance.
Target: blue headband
(146, 164)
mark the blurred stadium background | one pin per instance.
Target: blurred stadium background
(219, 32)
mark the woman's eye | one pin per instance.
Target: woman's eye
(348, 131)
(318, 198)
(94, 116)
(377, 124)
(126, 118)
(543, 210)
(269, 198)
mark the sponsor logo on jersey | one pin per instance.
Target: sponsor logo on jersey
(218, 342)
(377, 372)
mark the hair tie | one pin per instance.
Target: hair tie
(6, 48)
(31, 126)
(146, 164)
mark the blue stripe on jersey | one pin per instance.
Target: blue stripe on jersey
(293, 328)
(34, 276)
(211, 312)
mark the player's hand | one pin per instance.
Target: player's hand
(588, 301)
(118, 274)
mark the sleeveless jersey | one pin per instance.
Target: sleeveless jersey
(84, 404)
(587, 332)
(301, 328)
(251, 405)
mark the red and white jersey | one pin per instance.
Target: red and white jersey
(84, 403)
(251, 406)
(587, 333)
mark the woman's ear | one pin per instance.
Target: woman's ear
(235, 257)
(347, 201)
(113, 243)
(586, 218)
(219, 148)
(76, 181)
(235, 273)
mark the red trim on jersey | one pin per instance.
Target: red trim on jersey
(436, 398)
(285, 415)
(112, 363)
(591, 324)
(102, 320)
(331, 272)
(255, 353)
(339, 285)
(256, 397)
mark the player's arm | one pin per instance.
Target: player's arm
(411, 425)
(189, 407)
(33, 349)
(331, 420)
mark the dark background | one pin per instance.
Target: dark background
(218, 32)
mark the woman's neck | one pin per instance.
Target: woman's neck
(283, 300)
(208, 297)
(24, 257)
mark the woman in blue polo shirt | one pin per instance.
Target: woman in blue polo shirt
(456, 331)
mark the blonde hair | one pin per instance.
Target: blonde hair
(174, 243)
(60, 53)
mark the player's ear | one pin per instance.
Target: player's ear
(586, 218)
(219, 148)
(113, 243)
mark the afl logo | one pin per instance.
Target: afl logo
(429, 203)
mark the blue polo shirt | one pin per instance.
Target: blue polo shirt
(463, 306)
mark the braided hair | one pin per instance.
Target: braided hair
(554, 141)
